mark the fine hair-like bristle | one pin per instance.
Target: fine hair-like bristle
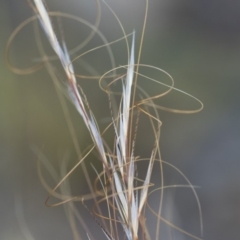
(126, 195)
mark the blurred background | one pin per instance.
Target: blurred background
(197, 42)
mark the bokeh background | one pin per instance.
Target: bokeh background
(198, 42)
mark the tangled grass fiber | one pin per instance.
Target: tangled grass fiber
(119, 195)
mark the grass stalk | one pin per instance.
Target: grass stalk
(117, 184)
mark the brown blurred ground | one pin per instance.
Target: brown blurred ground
(198, 43)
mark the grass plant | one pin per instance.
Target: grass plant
(119, 194)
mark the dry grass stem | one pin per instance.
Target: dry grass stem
(117, 185)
